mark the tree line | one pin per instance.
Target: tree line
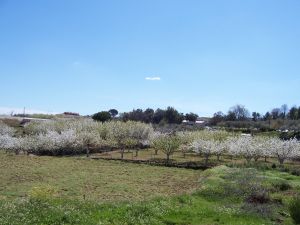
(158, 116)
(241, 113)
(170, 115)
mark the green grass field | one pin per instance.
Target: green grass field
(77, 190)
(98, 180)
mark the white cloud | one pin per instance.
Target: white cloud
(152, 78)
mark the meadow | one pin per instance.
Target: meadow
(84, 172)
(76, 190)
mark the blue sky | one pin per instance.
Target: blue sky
(87, 56)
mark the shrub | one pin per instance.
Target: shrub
(282, 185)
(42, 192)
(296, 172)
(284, 169)
(295, 210)
(102, 116)
(258, 197)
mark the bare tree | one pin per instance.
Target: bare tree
(239, 112)
(284, 110)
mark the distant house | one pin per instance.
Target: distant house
(71, 114)
(188, 122)
(197, 122)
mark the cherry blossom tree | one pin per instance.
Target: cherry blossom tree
(284, 150)
(6, 130)
(204, 147)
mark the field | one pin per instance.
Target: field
(55, 172)
(77, 190)
(91, 179)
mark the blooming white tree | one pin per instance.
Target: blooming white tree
(63, 136)
(156, 141)
(243, 146)
(167, 143)
(6, 142)
(6, 130)
(284, 150)
(205, 147)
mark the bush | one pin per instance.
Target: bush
(42, 192)
(296, 172)
(246, 184)
(284, 169)
(282, 185)
(102, 116)
(295, 210)
(258, 197)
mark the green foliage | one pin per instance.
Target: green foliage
(102, 116)
(295, 210)
(191, 117)
(168, 144)
(245, 183)
(282, 185)
(192, 210)
(169, 116)
(295, 172)
(113, 112)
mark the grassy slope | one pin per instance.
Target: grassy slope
(96, 179)
(108, 183)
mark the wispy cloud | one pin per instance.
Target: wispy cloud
(76, 63)
(152, 78)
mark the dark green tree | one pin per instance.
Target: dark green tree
(159, 116)
(173, 116)
(148, 115)
(191, 117)
(113, 112)
(102, 116)
(217, 118)
(293, 113)
(255, 116)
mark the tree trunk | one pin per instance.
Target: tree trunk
(122, 153)
(218, 157)
(206, 160)
(168, 158)
(156, 151)
(88, 149)
(265, 158)
(136, 153)
(248, 160)
(281, 161)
